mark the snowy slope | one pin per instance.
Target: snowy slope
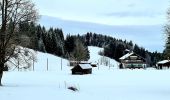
(48, 62)
(101, 60)
(40, 62)
(102, 84)
(53, 63)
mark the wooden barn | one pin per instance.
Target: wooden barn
(132, 60)
(163, 64)
(82, 69)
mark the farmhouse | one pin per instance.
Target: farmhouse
(132, 60)
(163, 64)
(82, 69)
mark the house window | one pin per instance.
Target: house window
(139, 60)
(126, 60)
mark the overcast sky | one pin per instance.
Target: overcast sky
(151, 13)
(111, 12)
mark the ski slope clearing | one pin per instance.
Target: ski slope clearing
(103, 84)
(101, 60)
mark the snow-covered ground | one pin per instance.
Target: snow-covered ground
(103, 84)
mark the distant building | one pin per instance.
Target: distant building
(163, 64)
(82, 69)
(132, 60)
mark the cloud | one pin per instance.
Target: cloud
(134, 14)
(147, 36)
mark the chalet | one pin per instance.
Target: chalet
(132, 60)
(82, 69)
(163, 64)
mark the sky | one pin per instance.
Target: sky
(112, 13)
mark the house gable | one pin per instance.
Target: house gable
(132, 57)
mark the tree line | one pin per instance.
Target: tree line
(116, 48)
(74, 47)
(52, 41)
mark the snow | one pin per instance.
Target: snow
(163, 61)
(103, 84)
(125, 56)
(85, 66)
(103, 61)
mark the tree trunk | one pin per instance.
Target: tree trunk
(1, 72)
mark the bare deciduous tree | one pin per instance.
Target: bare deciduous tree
(13, 12)
(80, 53)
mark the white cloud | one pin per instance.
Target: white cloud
(148, 36)
(93, 10)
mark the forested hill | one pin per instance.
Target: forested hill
(115, 48)
(52, 41)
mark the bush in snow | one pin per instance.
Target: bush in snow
(73, 88)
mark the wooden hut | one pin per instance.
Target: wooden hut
(82, 69)
(132, 60)
(163, 64)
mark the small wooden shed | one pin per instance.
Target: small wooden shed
(163, 64)
(82, 69)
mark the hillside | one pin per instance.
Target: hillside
(102, 60)
(103, 84)
(49, 62)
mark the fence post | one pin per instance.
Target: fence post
(18, 64)
(33, 64)
(47, 64)
(98, 64)
(109, 64)
(61, 64)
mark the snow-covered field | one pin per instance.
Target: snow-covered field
(106, 83)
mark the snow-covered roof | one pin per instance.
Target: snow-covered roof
(94, 63)
(163, 61)
(85, 66)
(125, 56)
(127, 50)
